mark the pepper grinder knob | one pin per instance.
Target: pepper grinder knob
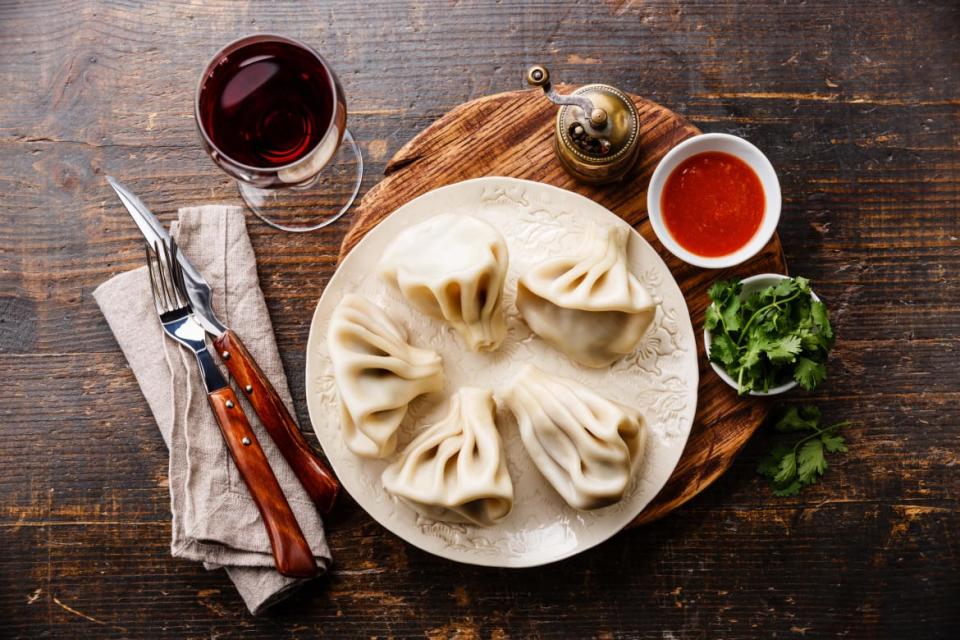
(538, 76)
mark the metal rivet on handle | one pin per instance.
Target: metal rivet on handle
(229, 404)
(226, 355)
(245, 441)
(248, 388)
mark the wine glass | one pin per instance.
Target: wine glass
(271, 113)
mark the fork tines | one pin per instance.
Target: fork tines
(166, 277)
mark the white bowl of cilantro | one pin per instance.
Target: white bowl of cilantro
(767, 334)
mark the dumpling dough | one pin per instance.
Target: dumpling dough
(588, 306)
(377, 373)
(453, 267)
(456, 470)
(584, 445)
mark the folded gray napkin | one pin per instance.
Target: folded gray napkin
(214, 518)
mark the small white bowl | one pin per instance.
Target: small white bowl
(740, 148)
(748, 286)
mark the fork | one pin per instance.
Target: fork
(291, 553)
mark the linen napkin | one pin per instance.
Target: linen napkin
(215, 520)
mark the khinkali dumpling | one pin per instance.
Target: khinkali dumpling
(584, 445)
(453, 267)
(377, 373)
(456, 469)
(589, 306)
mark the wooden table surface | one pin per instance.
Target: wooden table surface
(858, 107)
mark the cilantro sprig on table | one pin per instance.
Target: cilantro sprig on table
(795, 463)
(777, 334)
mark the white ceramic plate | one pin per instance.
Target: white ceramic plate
(538, 221)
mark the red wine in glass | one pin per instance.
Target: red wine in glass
(272, 114)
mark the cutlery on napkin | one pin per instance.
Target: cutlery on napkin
(291, 554)
(214, 518)
(195, 292)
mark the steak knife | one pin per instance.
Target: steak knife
(317, 479)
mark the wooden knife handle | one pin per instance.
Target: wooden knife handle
(291, 553)
(316, 478)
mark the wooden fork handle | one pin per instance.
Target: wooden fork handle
(317, 479)
(291, 553)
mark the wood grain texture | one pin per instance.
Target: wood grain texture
(856, 104)
(312, 472)
(511, 134)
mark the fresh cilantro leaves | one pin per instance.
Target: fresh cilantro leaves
(776, 334)
(763, 340)
(794, 463)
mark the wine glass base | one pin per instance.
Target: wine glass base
(314, 205)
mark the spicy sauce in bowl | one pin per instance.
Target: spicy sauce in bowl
(714, 200)
(712, 204)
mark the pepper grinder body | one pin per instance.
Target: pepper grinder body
(597, 129)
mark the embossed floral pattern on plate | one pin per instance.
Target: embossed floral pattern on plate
(660, 378)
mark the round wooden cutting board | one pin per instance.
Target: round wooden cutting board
(511, 134)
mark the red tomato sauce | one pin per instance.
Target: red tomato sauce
(712, 204)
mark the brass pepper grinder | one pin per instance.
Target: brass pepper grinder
(597, 132)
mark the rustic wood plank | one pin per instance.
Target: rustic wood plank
(101, 548)
(858, 107)
(98, 518)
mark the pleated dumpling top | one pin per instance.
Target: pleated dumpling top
(377, 373)
(453, 267)
(585, 445)
(589, 305)
(456, 470)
